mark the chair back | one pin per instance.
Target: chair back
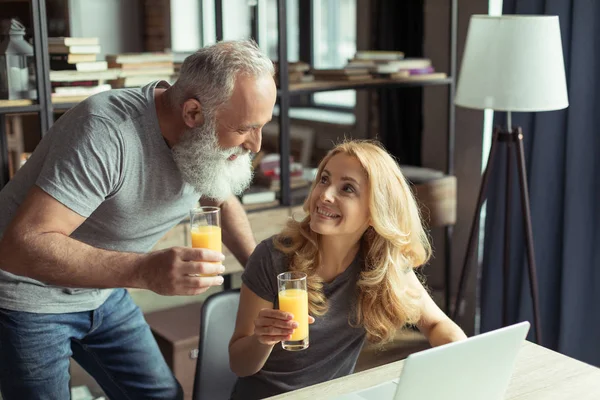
(214, 379)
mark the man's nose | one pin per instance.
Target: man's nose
(254, 141)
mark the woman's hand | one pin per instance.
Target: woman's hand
(272, 326)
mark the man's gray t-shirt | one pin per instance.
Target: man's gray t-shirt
(106, 160)
(334, 344)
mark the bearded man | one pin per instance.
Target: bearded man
(80, 218)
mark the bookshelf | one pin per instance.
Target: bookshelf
(43, 106)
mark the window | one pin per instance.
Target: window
(334, 30)
(334, 34)
(237, 24)
(268, 33)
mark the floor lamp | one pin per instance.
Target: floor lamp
(511, 63)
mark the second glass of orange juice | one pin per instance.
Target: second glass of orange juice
(293, 298)
(205, 228)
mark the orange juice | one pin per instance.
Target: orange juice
(295, 301)
(207, 237)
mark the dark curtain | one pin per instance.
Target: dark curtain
(562, 151)
(398, 25)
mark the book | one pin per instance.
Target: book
(126, 73)
(343, 77)
(340, 71)
(142, 65)
(137, 81)
(422, 77)
(80, 90)
(71, 76)
(257, 194)
(297, 66)
(86, 83)
(72, 58)
(63, 49)
(73, 41)
(67, 99)
(131, 58)
(419, 71)
(407, 63)
(378, 55)
(56, 65)
(354, 63)
(398, 75)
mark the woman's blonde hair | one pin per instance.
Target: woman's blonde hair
(395, 244)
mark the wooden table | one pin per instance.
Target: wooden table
(540, 374)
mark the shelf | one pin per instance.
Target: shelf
(66, 102)
(18, 106)
(376, 83)
(24, 106)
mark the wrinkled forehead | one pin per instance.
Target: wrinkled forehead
(252, 100)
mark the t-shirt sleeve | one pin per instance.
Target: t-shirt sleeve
(83, 164)
(260, 274)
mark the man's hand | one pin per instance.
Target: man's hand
(180, 271)
(237, 233)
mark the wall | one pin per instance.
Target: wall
(117, 23)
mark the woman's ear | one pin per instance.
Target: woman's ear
(192, 113)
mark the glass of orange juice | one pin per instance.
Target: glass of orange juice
(205, 228)
(293, 298)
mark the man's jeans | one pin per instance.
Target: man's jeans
(113, 343)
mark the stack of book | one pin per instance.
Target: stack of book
(256, 197)
(394, 65)
(297, 72)
(75, 71)
(138, 69)
(341, 74)
(268, 173)
(178, 59)
(75, 54)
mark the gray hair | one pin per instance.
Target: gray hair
(209, 74)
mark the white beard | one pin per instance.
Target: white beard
(205, 166)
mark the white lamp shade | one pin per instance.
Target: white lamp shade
(513, 63)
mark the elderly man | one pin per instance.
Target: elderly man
(110, 178)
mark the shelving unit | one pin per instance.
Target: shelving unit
(44, 104)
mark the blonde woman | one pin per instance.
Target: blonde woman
(359, 244)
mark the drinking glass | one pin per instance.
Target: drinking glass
(293, 298)
(205, 229)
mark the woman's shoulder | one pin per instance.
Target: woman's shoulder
(267, 246)
(266, 250)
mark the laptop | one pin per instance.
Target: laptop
(478, 368)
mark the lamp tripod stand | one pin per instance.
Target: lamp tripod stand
(513, 138)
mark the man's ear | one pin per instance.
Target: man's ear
(192, 113)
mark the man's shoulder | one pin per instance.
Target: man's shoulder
(116, 106)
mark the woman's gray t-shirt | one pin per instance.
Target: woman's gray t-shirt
(334, 343)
